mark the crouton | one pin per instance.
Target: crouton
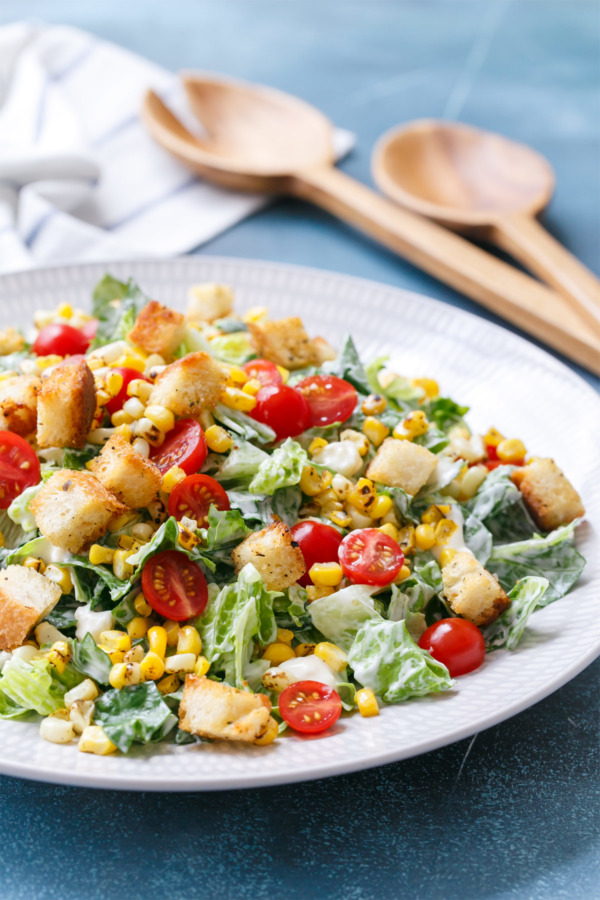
(189, 385)
(26, 597)
(11, 341)
(402, 464)
(18, 404)
(208, 302)
(158, 329)
(215, 710)
(66, 405)
(324, 350)
(284, 342)
(274, 554)
(472, 591)
(133, 479)
(549, 495)
(73, 508)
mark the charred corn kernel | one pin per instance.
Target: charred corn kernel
(139, 389)
(400, 433)
(285, 374)
(94, 740)
(45, 633)
(121, 418)
(416, 423)
(129, 361)
(305, 649)
(100, 435)
(134, 407)
(57, 730)
(366, 702)
(94, 363)
(255, 313)
(471, 481)
(217, 439)
(402, 575)
(326, 574)
(126, 542)
(141, 606)
(59, 655)
(123, 521)
(124, 431)
(114, 640)
(373, 405)
(180, 663)
(137, 628)
(359, 440)
(100, 555)
(446, 556)
(34, 562)
(278, 653)
(252, 387)
(407, 538)
(86, 690)
(425, 537)
(432, 515)
(122, 569)
(511, 451)
(341, 486)
(162, 417)
(135, 655)
(113, 383)
(157, 640)
(429, 385)
(148, 431)
(310, 481)
(444, 530)
(363, 496)
(141, 446)
(285, 636)
(62, 713)
(44, 362)
(81, 714)
(236, 375)
(189, 641)
(382, 506)
(172, 629)
(115, 656)
(155, 359)
(270, 734)
(341, 519)
(390, 530)
(124, 674)
(375, 430)
(358, 519)
(60, 576)
(331, 654)
(234, 398)
(327, 498)
(142, 532)
(316, 591)
(186, 538)
(168, 684)
(171, 478)
(317, 444)
(493, 437)
(201, 667)
(152, 667)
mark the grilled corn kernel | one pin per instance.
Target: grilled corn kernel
(152, 361)
(157, 640)
(122, 569)
(45, 633)
(358, 519)
(99, 555)
(134, 407)
(310, 481)
(114, 640)
(168, 684)
(326, 574)
(140, 389)
(363, 496)
(285, 374)
(416, 423)
(149, 432)
(341, 486)
(94, 740)
(402, 575)
(201, 667)
(86, 690)
(141, 606)
(162, 417)
(44, 362)
(129, 361)
(446, 556)
(270, 734)
(285, 636)
(366, 702)
(255, 313)
(444, 530)
(390, 530)
(375, 430)
(341, 519)
(511, 451)
(113, 383)
(121, 418)
(317, 444)
(34, 562)
(2, 542)
(373, 405)
(142, 532)
(382, 506)
(217, 439)
(172, 478)
(56, 730)
(81, 714)
(234, 398)
(406, 538)
(64, 310)
(432, 515)
(152, 667)
(126, 542)
(493, 437)
(305, 649)
(471, 482)
(189, 641)
(252, 387)
(236, 375)
(429, 385)
(137, 628)
(124, 431)
(186, 538)
(316, 591)
(180, 663)
(59, 655)
(135, 655)
(141, 446)
(278, 653)
(331, 654)
(359, 440)
(124, 674)
(27, 652)
(425, 537)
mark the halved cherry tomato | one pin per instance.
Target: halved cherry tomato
(128, 375)
(194, 496)
(456, 643)
(310, 706)
(283, 408)
(264, 371)
(184, 446)
(331, 399)
(89, 329)
(492, 452)
(492, 464)
(174, 586)
(319, 543)
(19, 467)
(64, 340)
(368, 556)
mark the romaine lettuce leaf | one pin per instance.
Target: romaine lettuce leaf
(116, 305)
(424, 582)
(37, 685)
(478, 539)
(291, 609)
(400, 391)
(224, 527)
(340, 615)
(166, 538)
(233, 348)
(63, 614)
(11, 710)
(90, 660)
(244, 426)
(18, 511)
(444, 412)
(242, 464)
(77, 459)
(499, 505)
(347, 365)
(284, 502)
(282, 469)
(508, 628)
(134, 714)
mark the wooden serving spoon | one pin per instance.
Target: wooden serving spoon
(260, 140)
(481, 183)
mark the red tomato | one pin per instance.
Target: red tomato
(129, 375)
(89, 329)
(283, 408)
(174, 586)
(492, 463)
(19, 467)
(266, 372)
(64, 340)
(310, 706)
(319, 543)
(456, 643)
(184, 446)
(369, 556)
(194, 496)
(492, 452)
(330, 399)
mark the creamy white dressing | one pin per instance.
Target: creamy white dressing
(90, 622)
(50, 553)
(445, 472)
(308, 668)
(4, 658)
(341, 457)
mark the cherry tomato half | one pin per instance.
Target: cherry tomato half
(310, 706)
(194, 496)
(89, 329)
(174, 586)
(128, 375)
(19, 467)
(64, 340)
(283, 409)
(456, 643)
(319, 544)
(264, 371)
(331, 399)
(184, 446)
(369, 556)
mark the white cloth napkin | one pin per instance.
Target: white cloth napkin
(80, 179)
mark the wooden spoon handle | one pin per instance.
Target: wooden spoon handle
(525, 239)
(495, 284)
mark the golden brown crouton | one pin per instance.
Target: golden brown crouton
(26, 597)
(66, 405)
(472, 591)
(73, 508)
(402, 464)
(549, 495)
(18, 403)
(324, 350)
(284, 342)
(189, 385)
(274, 554)
(158, 329)
(133, 479)
(11, 341)
(215, 710)
(209, 302)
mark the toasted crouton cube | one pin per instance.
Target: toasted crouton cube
(284, 342)
(472, 591)
(73, 508)
(215, 710)
(11, 341)
(133, 479)
(208, 302)
(18, 404)
(274, 554)
(549, 495)
(26, 597)
(66, 405)
(158, 329)
(324, 350)
(189, 385)
(402, 464)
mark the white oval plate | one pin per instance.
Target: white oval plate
(506, 381)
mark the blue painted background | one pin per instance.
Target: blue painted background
(513, 813)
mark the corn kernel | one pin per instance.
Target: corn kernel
(172, 629)
(493, 437)
(285, 636)
(310, 481)
(162, 417)
(129, 361)
(285, 374)
(278, 653)
(373, 405)
(511, 451)
(125, 674)
(217, 439)
(122, 569)
(331, 654)
(252, 387)
(59, 655)
(341, 519)
(270, 734)
(137, 628)
(94, 740)
(202, 666)
(180, 663)
(358, 519)
(135, 655)
(86, 690)
(99, 555)
(425, 537)
(316, 591)
(444, 530)
(390, 530)
(471, 482)
(382, 506)
(305, 649)
(157, 640)
(326, 574)
(44, 362)
(359, 440)
(60, 576)
(172, 478)
(141, 446)
(366, 702)
(375, 430)
(168, 684)
(56, 730)
(236, 399)
(140, 389)
(255, 313)
(81, 714)
(446, 556)
(432, 515)
(152, 667)
(141, 606)
(2, 541)
(124, 431)
(114, 640)
(189, 641)
(402, 575)
(64, 310)
(35, 563)
(134, 408)
(113, 383)
(407, 538)
(363, 496)
(429, 385)
(45, 633)
(121, 418)
(416, 423)
(317, 444)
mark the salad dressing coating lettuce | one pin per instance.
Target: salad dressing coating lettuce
(282, 469)
(508, 628)
(134, 714)
(37, 685)
(340, 615)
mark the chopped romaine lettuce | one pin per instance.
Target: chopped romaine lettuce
(424, 582)
(18, 511)
(242, 464)
(37, 685)
(499, 505)
(234, 348)
(340, 615)
(282, 469)
(136, 713)
(90, 660)
(11, 710)
(400, 390)
(478, 539)
(224, 527)
(244, 426)
(444, 412)
(347, 365)
(284, 502)
(508, 628)
(77, 459)
(116, 305)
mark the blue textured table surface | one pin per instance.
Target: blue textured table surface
(513, 812)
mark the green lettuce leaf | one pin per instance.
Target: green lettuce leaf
(284, 502)
(291, 609)
(77, 459)
(508, 628)
(90, 660)
(135, 714)
(347, 365)
(499, 505)
(444, 412)
(18, 511)
(37, 685)
(234, 348)
(63, 614)
(224, 527)
(478, 539)
(424, 583)
(244, 426)
(116, 305)
(166, 538)
(400, 391)
(242, 464)
(11, 710)
(282, 469)
(340, 615)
